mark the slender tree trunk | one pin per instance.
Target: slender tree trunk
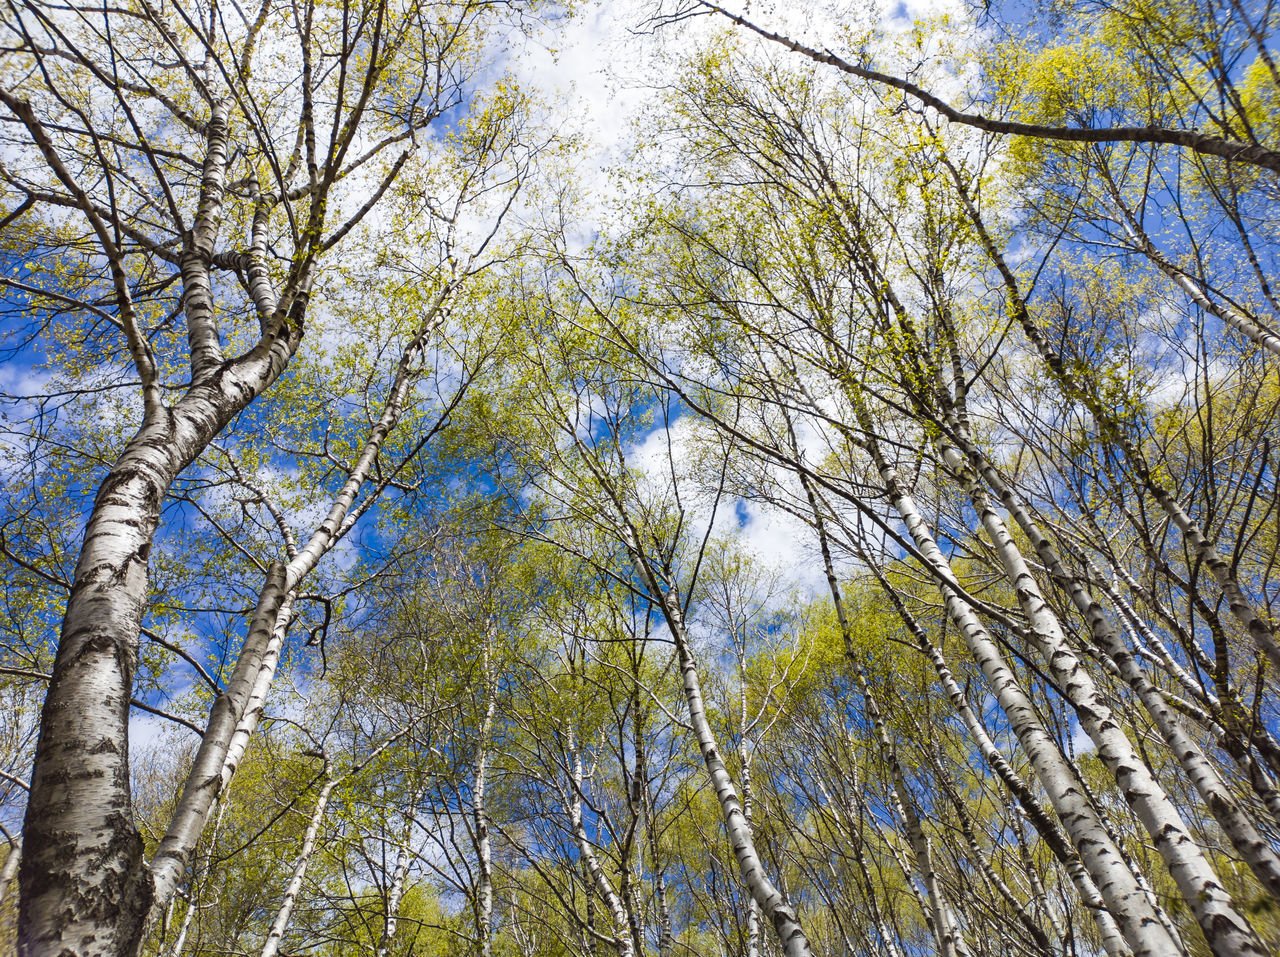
(650, 825)
(589, 939)
(1124, 897)
(888, 940)
(1218, 716)
(1227, 710)
(666, 939)
(599, 879)
(1039, 894)
(1059, 843)
(395, 894)
(753, 908)
(181, 941)
(10, 869)
(948, 934)
(1235, 318)
(970, 833)
(790, 934)
(235, 712)
(1113, 940)
(480, 814)
(278, 927)
(192, 905)
(890, 841)
(205, 781)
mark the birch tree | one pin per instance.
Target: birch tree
(779, 291)
(169, 158)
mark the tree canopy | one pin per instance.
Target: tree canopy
(809, 489)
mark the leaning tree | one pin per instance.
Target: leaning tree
(178, 181)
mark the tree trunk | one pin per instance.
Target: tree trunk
(235, 712)
(665, 936)
(1058, 843)
(1224, 927)
(1232, 316)
(1235, 823)
(887, 938)
(1119, 888)
(480, 816)
(599, 879)
(281, 923)
(10, 869)
(753, 908)
(944, 927)
(1113, 940)
(181, 941)
(84, 884)
(395, 894)
(790, 934)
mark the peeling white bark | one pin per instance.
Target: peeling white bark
(1223, 925)
(1142, 929)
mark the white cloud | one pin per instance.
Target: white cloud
(599, 68)
(778, 541)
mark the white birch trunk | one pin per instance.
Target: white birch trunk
(753, 909)
(480, 814)
(85, 886)
(181, 941)
(970, 832)
(944, 926)
(665, 936)
(790, 934)
(192, 906)
(278, 927)
(257, 700)
(210, 772)
(599, 879)
(1153, 648)
(395, 894)
(1040, 895)
(1226, 929)
(10, 869)
(205, 780)
(1112, 939)
(1141, 928)
(852, 825)
(887, 938)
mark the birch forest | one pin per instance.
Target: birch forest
(653, 478)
